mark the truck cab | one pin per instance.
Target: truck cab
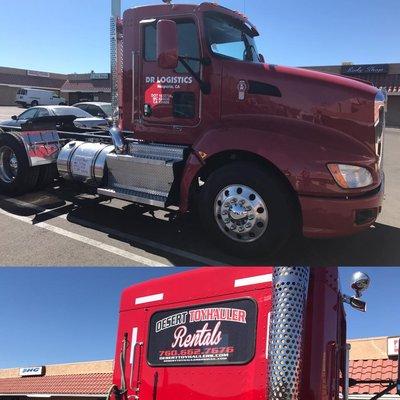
(191, 75)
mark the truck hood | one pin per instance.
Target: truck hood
(324, 78)
(301, 102)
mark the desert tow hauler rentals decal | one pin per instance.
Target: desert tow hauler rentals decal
(218, 333)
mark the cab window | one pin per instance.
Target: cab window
(230, 37)
(187, 42)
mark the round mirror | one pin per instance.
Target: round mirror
(359, 282)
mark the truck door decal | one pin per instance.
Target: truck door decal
(219, 333)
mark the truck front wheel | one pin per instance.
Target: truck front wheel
(247, 209)
(16, 176)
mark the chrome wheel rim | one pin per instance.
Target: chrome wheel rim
(8, 164)
(241, 213)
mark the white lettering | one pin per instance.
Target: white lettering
(202, 337)
(172, 80)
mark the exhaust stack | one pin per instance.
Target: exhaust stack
(285, 350)
(115, 57)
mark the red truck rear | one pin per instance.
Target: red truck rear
(233, 333)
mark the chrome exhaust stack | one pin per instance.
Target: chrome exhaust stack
(115, 16)
(116, 65)
(286, 335)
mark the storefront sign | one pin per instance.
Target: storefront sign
(393, 346)
(38, 73)
(219, 333)
(365, 69)
(31, 371)
(94, 75)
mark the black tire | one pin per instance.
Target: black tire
(47, 175)
(281, 212)
(34, 103)
(26, 177)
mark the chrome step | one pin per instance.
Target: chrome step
(136, 196)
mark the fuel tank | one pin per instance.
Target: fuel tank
(83, 161)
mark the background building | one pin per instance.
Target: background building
(370, 358)
(83, 381)
(73, 87)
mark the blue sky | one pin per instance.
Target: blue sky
(54, 315)
(72, 36)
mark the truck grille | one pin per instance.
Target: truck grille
(379, 127)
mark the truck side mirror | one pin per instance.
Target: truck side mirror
(359, 282)
(14, 117)
(167, 44)
(261, 58)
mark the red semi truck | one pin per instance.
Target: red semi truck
(202, 123)
(235, 333)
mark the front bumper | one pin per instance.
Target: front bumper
(331, 217)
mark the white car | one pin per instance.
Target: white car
(83, 119)
(37, 97)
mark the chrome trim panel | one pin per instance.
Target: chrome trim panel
(42, 147)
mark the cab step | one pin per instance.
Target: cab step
(145, 175)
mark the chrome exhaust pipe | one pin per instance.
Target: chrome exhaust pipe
(115, 57)
(115, 16)
(285, 342)
(118, 140)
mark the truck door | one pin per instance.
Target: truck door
(169, 97)
(214, 349)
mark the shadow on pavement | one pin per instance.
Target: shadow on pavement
(377, 246)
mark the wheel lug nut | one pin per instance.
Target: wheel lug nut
(241, 229)
(227, 220)
(250, 217)
(224, 212)
(233, 227)
(248, 208)
(241, 202)
(234, 200)
(248, 225)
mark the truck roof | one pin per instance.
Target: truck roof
(160, 9)
(197, 283)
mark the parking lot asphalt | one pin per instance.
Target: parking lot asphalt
(59, 226)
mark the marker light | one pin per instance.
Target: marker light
(350, 176)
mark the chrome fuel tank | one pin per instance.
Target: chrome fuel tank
(83, 161)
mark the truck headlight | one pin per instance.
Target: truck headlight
(350, 176)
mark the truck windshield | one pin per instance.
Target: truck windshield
(230, 37)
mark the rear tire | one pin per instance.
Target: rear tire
(34, 103)
(247, 209)
(16, 176)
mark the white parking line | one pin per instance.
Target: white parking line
(117, 233)
(91, 242)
